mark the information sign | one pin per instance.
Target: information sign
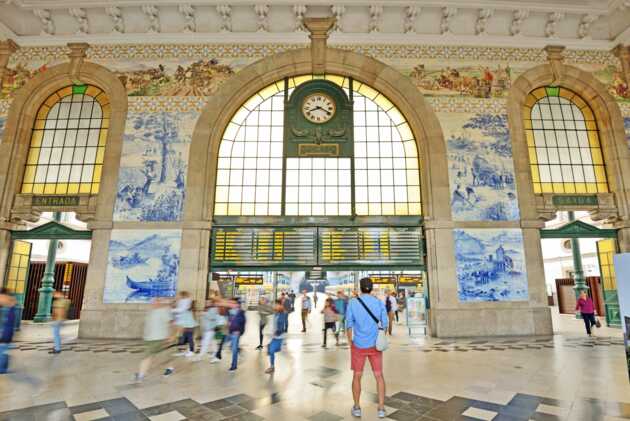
(52, 201)
(575, 200)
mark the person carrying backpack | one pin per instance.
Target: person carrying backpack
(7, 327)
(236, 330)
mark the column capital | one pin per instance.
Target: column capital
(319, 29)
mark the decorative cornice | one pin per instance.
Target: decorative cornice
(255, 50)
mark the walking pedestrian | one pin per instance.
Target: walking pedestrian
(7, 327)
(306, 309)
(587, 310)
(185, 322)
(60, 306)
(211, 323)
(314, 297)
(236, 330)
(157, 331)
(390, 306)
(277, 336)
(330, 320)
(264, 311)
(288, 308)
(362, 330)
(341, 303)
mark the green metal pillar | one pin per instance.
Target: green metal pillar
(578, 272)
(44, 304)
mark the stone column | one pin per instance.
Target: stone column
(44, 304)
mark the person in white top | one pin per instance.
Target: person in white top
(391, 305)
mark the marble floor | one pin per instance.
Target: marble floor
(564, 377)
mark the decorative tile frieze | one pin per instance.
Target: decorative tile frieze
(166, 103)
(198, 51)
(625, 108)
(459, 104)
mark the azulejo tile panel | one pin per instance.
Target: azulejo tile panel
(172, 104)
(153, 166)
(490, 265)
(3, 120)
(141, 265)
(481, 170)
(459, 104)
(626, 123)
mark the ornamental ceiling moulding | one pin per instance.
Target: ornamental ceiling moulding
(400, 51)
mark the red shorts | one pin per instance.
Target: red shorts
(358, 356)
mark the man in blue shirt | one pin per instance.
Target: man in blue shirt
(362, 331)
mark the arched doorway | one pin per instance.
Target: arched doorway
(279, 73)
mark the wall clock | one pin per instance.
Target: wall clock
(318, 108)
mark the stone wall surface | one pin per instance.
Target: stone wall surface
(168, 87)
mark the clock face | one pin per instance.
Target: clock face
(318, 108)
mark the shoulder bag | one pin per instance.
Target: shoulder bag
(381, 340)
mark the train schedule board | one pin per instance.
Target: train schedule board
(370, 246)
(264, 247)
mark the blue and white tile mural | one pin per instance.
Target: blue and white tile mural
(490, 265)
(141, 265)
(3, 121)
(481, 170)
(152, 177)
(626, 123)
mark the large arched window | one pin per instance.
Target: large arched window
(68, 142)
(255, 178)
(565, 155)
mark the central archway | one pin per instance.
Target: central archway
(198, 209)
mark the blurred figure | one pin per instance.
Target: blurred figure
(306, 309)
(157, 332)
(288, 308)
(185, 322)
(236, 330)
(330, 320)
(277, 336)
(211, 324)
(7, 327)
(390, 306)
(341, 303)
(60, 306)
(314, 297)
(264, 311)
(401, 304)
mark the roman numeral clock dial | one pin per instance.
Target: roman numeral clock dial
(318, 108)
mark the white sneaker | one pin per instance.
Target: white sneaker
(381, 413)
(189, 354)
(214, 360)
(356, 412)
(179, 354)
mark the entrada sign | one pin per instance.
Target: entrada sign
(50, 201)
(575, 200)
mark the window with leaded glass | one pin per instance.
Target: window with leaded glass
(67, 146)
(255, 178)
(565, 154)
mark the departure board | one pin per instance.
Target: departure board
(263, 246)
(375, 245)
